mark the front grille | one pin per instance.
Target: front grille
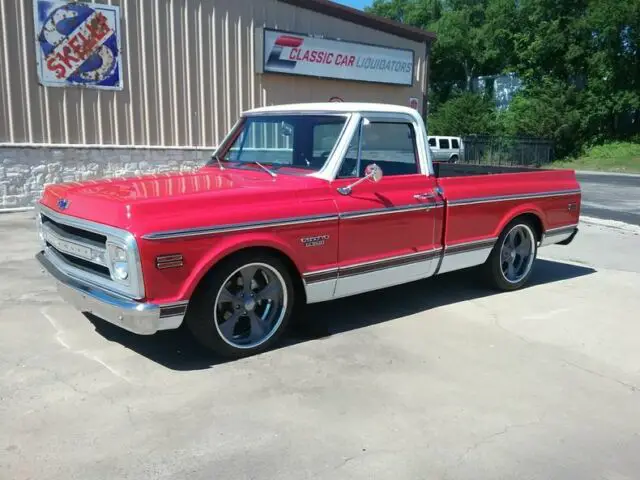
(94, 238)
(77, 247)
(85, 265)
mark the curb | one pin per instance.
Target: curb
(607, 174)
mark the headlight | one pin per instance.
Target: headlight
(119, 263)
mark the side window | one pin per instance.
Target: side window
(444, 143)
(432, 142)
(455, 143)
(390, 145)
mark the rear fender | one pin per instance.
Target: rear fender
(229, 246)
(522, 209)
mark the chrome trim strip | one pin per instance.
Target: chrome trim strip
(506, 198)
(367, 267)
(242, 227)
(388, 210)
(238, 227)
(386, 263)
(553, 231)
(390, 262)
(470, 246)
(320, 276)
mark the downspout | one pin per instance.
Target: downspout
(425, 99)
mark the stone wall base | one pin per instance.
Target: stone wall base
(24, 171)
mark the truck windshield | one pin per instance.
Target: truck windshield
(292, 141)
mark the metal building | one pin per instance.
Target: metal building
(120, 87)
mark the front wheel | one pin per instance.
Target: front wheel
(510, 263)
(244, 305)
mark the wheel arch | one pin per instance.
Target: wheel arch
(530, 212)
(266, 247)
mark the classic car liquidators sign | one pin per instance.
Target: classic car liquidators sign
(319, 57)
(78, 44)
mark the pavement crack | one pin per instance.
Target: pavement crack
(484, 440)
(629, 386)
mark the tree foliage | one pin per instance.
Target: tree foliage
(464, 114)
(579, 61)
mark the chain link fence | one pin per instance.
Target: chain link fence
(508, 151)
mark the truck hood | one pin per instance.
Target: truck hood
(176, 200)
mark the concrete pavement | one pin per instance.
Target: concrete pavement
(439, 379)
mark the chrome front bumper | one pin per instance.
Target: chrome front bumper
(136, 317)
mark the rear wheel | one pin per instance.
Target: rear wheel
(510, 263)
(454, 159)
(244, 305)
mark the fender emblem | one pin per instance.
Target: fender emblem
(63, 204)
(316, 241)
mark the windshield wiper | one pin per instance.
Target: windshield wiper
(270, 172)
(217, 159)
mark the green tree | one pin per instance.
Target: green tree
(465, 114)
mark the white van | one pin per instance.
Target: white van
(446, 149)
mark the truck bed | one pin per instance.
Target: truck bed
(448, 170)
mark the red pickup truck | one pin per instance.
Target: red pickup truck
(299, 204)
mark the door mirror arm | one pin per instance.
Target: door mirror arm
(373, 173)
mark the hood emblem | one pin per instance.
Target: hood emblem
(63, 204)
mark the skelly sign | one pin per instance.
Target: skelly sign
(78, 43)
(294, 54)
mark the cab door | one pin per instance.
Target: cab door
(387, 229)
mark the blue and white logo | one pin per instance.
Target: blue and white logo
(63, 204)
(78, 44)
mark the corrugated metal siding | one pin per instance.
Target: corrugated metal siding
(188, 69)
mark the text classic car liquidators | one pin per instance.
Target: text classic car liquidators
(319, 57)
(314, 220)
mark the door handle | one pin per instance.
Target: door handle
(424, 196)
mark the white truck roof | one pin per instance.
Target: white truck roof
(335, 107)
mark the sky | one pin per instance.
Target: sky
(355, 3)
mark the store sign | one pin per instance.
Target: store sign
(78, 44)
(319, 57)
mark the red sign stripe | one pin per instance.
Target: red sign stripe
(289, 41)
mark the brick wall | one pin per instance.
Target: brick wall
(25, 171)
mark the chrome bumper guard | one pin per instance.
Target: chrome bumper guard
(136, 317)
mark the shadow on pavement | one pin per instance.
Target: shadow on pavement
(177, 350)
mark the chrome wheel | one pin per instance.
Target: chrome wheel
(250, 306)
(517, 253)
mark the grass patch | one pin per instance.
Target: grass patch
(611, 157)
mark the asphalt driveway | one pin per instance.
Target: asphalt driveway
(439, 379)
(613, 197)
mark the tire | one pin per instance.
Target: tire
(454, 159)
(228, 318)
(497, 270)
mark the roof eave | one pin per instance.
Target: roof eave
(359, 17)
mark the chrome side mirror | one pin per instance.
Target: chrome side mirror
(372, 173)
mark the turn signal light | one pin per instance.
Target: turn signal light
(169, 261)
